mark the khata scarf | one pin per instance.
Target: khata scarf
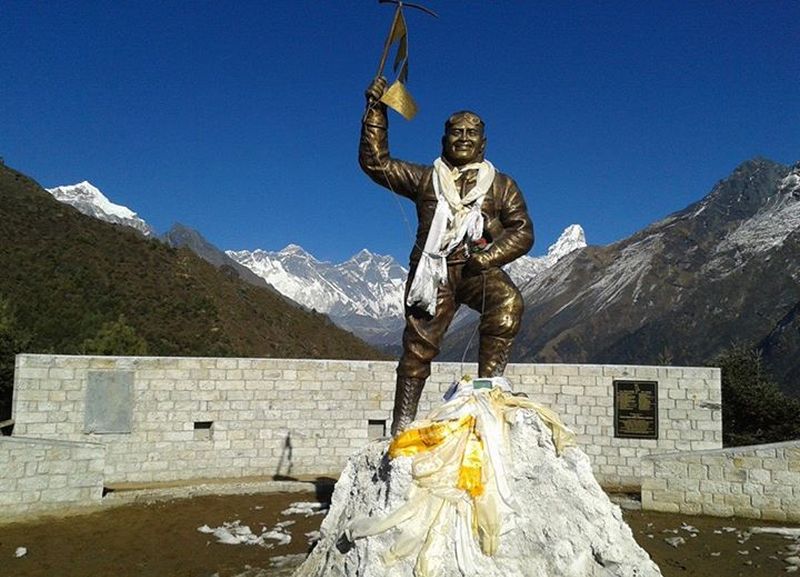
(454, 219)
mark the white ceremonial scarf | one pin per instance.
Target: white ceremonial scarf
(454, 219)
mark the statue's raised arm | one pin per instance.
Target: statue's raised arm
(373, 152)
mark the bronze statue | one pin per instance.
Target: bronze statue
(472, 220)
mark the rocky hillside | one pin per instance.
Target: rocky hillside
(722, 271)
(65, 275)
(182, 236)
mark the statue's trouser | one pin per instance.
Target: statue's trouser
(492, 294)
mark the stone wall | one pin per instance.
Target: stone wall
(38, 475)
(191, 418)
(758, 482)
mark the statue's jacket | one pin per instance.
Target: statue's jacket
(507, 227)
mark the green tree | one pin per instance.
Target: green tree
(115, 338)
(12, 341)
(754, 410)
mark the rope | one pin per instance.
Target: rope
(397, 197)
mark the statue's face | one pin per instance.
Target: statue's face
(463, 141)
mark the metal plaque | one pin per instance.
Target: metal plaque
(109, 402)
(636, 409)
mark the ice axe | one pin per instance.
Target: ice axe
(397, 96)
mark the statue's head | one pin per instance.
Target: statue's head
(464, 140)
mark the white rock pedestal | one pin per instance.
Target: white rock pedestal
(566, 526)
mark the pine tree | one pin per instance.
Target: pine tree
(12, 341)
(754, 410)
(115, 338)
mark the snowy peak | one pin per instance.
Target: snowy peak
(526, 268)
(765, 225)
(88, 199)
(571, 239)
(366, 285)
(293, 250)
(86, 192)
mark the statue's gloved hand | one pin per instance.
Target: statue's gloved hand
(492, 227)
(376, 89)
(476, 264)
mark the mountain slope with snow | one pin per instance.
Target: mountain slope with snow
(90, 201)
(724, 270)
(365, 293)
(67, 276)
(525, 268)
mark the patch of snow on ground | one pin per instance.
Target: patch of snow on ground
(234, 533)
(305, 508)
(784, 531)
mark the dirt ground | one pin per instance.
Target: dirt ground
(161, 539)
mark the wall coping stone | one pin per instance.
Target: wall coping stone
(51, 442)
(37, 356)
(722, 451)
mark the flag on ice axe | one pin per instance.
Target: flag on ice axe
(397, 97)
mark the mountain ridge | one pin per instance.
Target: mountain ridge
(364, 294)
(722, 271)
(67, 274)
(88, 199)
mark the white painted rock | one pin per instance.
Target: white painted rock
(567, 527)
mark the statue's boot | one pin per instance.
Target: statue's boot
(493, 355)
(406, 400)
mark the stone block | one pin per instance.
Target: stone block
(704, 445)
(777, 464)
(654, 485)
(671, 469)
(735, 475)
(774, 515)
(691, 508)
(663, 507)
(715, 472)
(765, 502)
(717, 510)
(782, 491)
(752, 489)
(565, 370)
(590, 370)
(759, 476)
(697, 471)
(676, 394)
(738, 501)
(790, 478)
(65, 495)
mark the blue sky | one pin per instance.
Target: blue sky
(241, 119)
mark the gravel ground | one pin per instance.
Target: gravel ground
(160, 538)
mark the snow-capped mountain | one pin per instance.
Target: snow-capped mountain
(526, 268)
(90, 201)
(365, 293)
